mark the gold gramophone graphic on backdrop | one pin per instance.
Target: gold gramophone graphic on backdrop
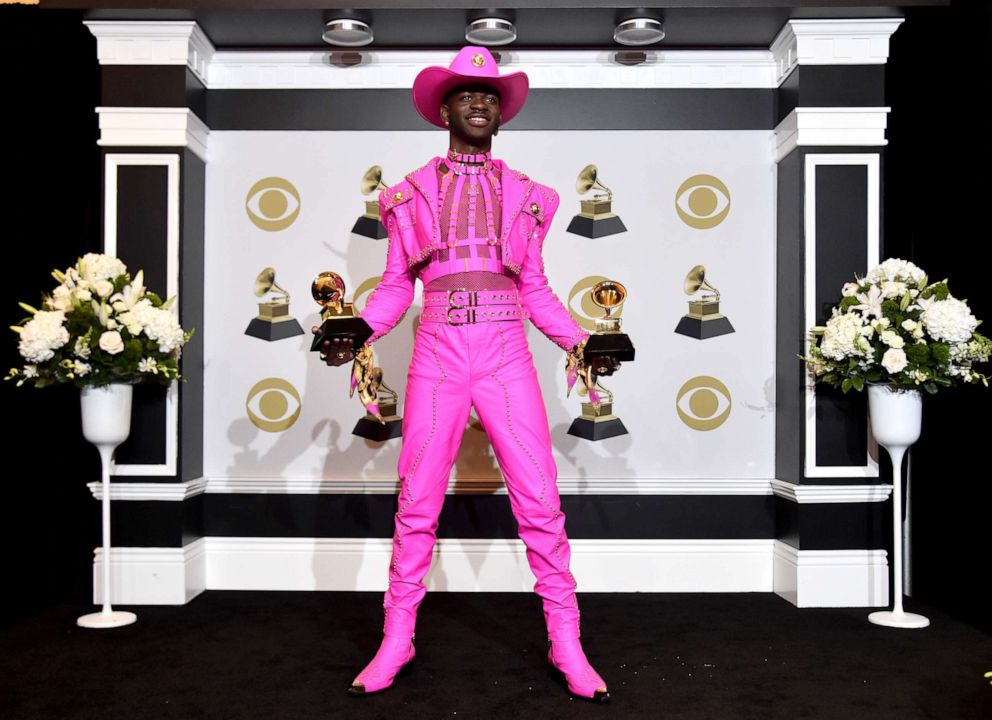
(596, 217)
(703, 321)
(597, 421)
(369, 225)
(339, 320)
(273, 321)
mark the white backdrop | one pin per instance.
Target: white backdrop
(642, 168)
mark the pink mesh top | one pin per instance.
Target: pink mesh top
(471, 259)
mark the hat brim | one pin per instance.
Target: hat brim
(433, 83)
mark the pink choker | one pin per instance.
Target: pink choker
(470, 163)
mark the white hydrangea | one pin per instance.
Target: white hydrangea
(95, 266)
(843, 337)
(949, 320)
(42, 335)
(103, 288)
(896, 269)
(894, 360)
(160, 325)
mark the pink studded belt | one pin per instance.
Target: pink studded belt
(458, 307)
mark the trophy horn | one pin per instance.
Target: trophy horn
(696, 280)
(608, 294)
(372, 180)
(588, 180)
(266, 281)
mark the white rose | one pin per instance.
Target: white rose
(892, 288)
(61, 299)
(909, 325)
(892, 339)
(894, 360)
(103, 288)
(111, 342)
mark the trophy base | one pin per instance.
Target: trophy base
(370, 228)
(596, 227)
(273, 331)
(704, 329)
(599, 429)
(371, 429)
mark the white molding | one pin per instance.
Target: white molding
(171, 162)
(491, 486)
(854, 41)
(815, 494)
(808, 578)
(152, 576)
(831, 578)
(165, 491)
(799, 42)
(544, 68)
(831, 126)
(152, 42)
(154, 127)
(490, 565)
(813, 161)
(806, 494)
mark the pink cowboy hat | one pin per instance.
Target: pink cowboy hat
(471, 64)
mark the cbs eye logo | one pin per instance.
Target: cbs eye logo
(586, 311)
(699, 405)
(273, 204)
(702, 202)
(273, 405)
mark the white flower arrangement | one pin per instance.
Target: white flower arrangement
(891, 326)
(99, 326)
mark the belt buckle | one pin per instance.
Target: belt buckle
(473, 297)
(469, 315)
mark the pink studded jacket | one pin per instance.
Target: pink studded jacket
(409, 211)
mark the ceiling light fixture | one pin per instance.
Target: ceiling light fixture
(639, 31)
(347, 32)
(490, 31)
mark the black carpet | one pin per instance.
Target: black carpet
(292, 655)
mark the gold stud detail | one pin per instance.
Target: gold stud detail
(398, 196)
(478, 60)
(534, 208)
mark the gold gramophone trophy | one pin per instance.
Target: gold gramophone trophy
(597, 421)
(703, 321)
(369, 225)
(273, 321)
(596, 218)
(339, 320)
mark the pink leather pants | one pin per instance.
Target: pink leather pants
(488, 365)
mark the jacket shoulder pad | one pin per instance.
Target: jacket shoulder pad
(395, 195)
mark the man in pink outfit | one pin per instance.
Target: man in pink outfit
(472, 230)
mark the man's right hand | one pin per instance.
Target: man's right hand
(335, 351)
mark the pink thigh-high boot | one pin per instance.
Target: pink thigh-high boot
(508, 400)
(435, 414)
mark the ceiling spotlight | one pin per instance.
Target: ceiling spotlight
(639, 31)
(347, 32)
(490, 31)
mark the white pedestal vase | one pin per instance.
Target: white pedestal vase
(896, 419)
(106, 424)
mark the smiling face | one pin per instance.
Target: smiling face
(473, 114)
